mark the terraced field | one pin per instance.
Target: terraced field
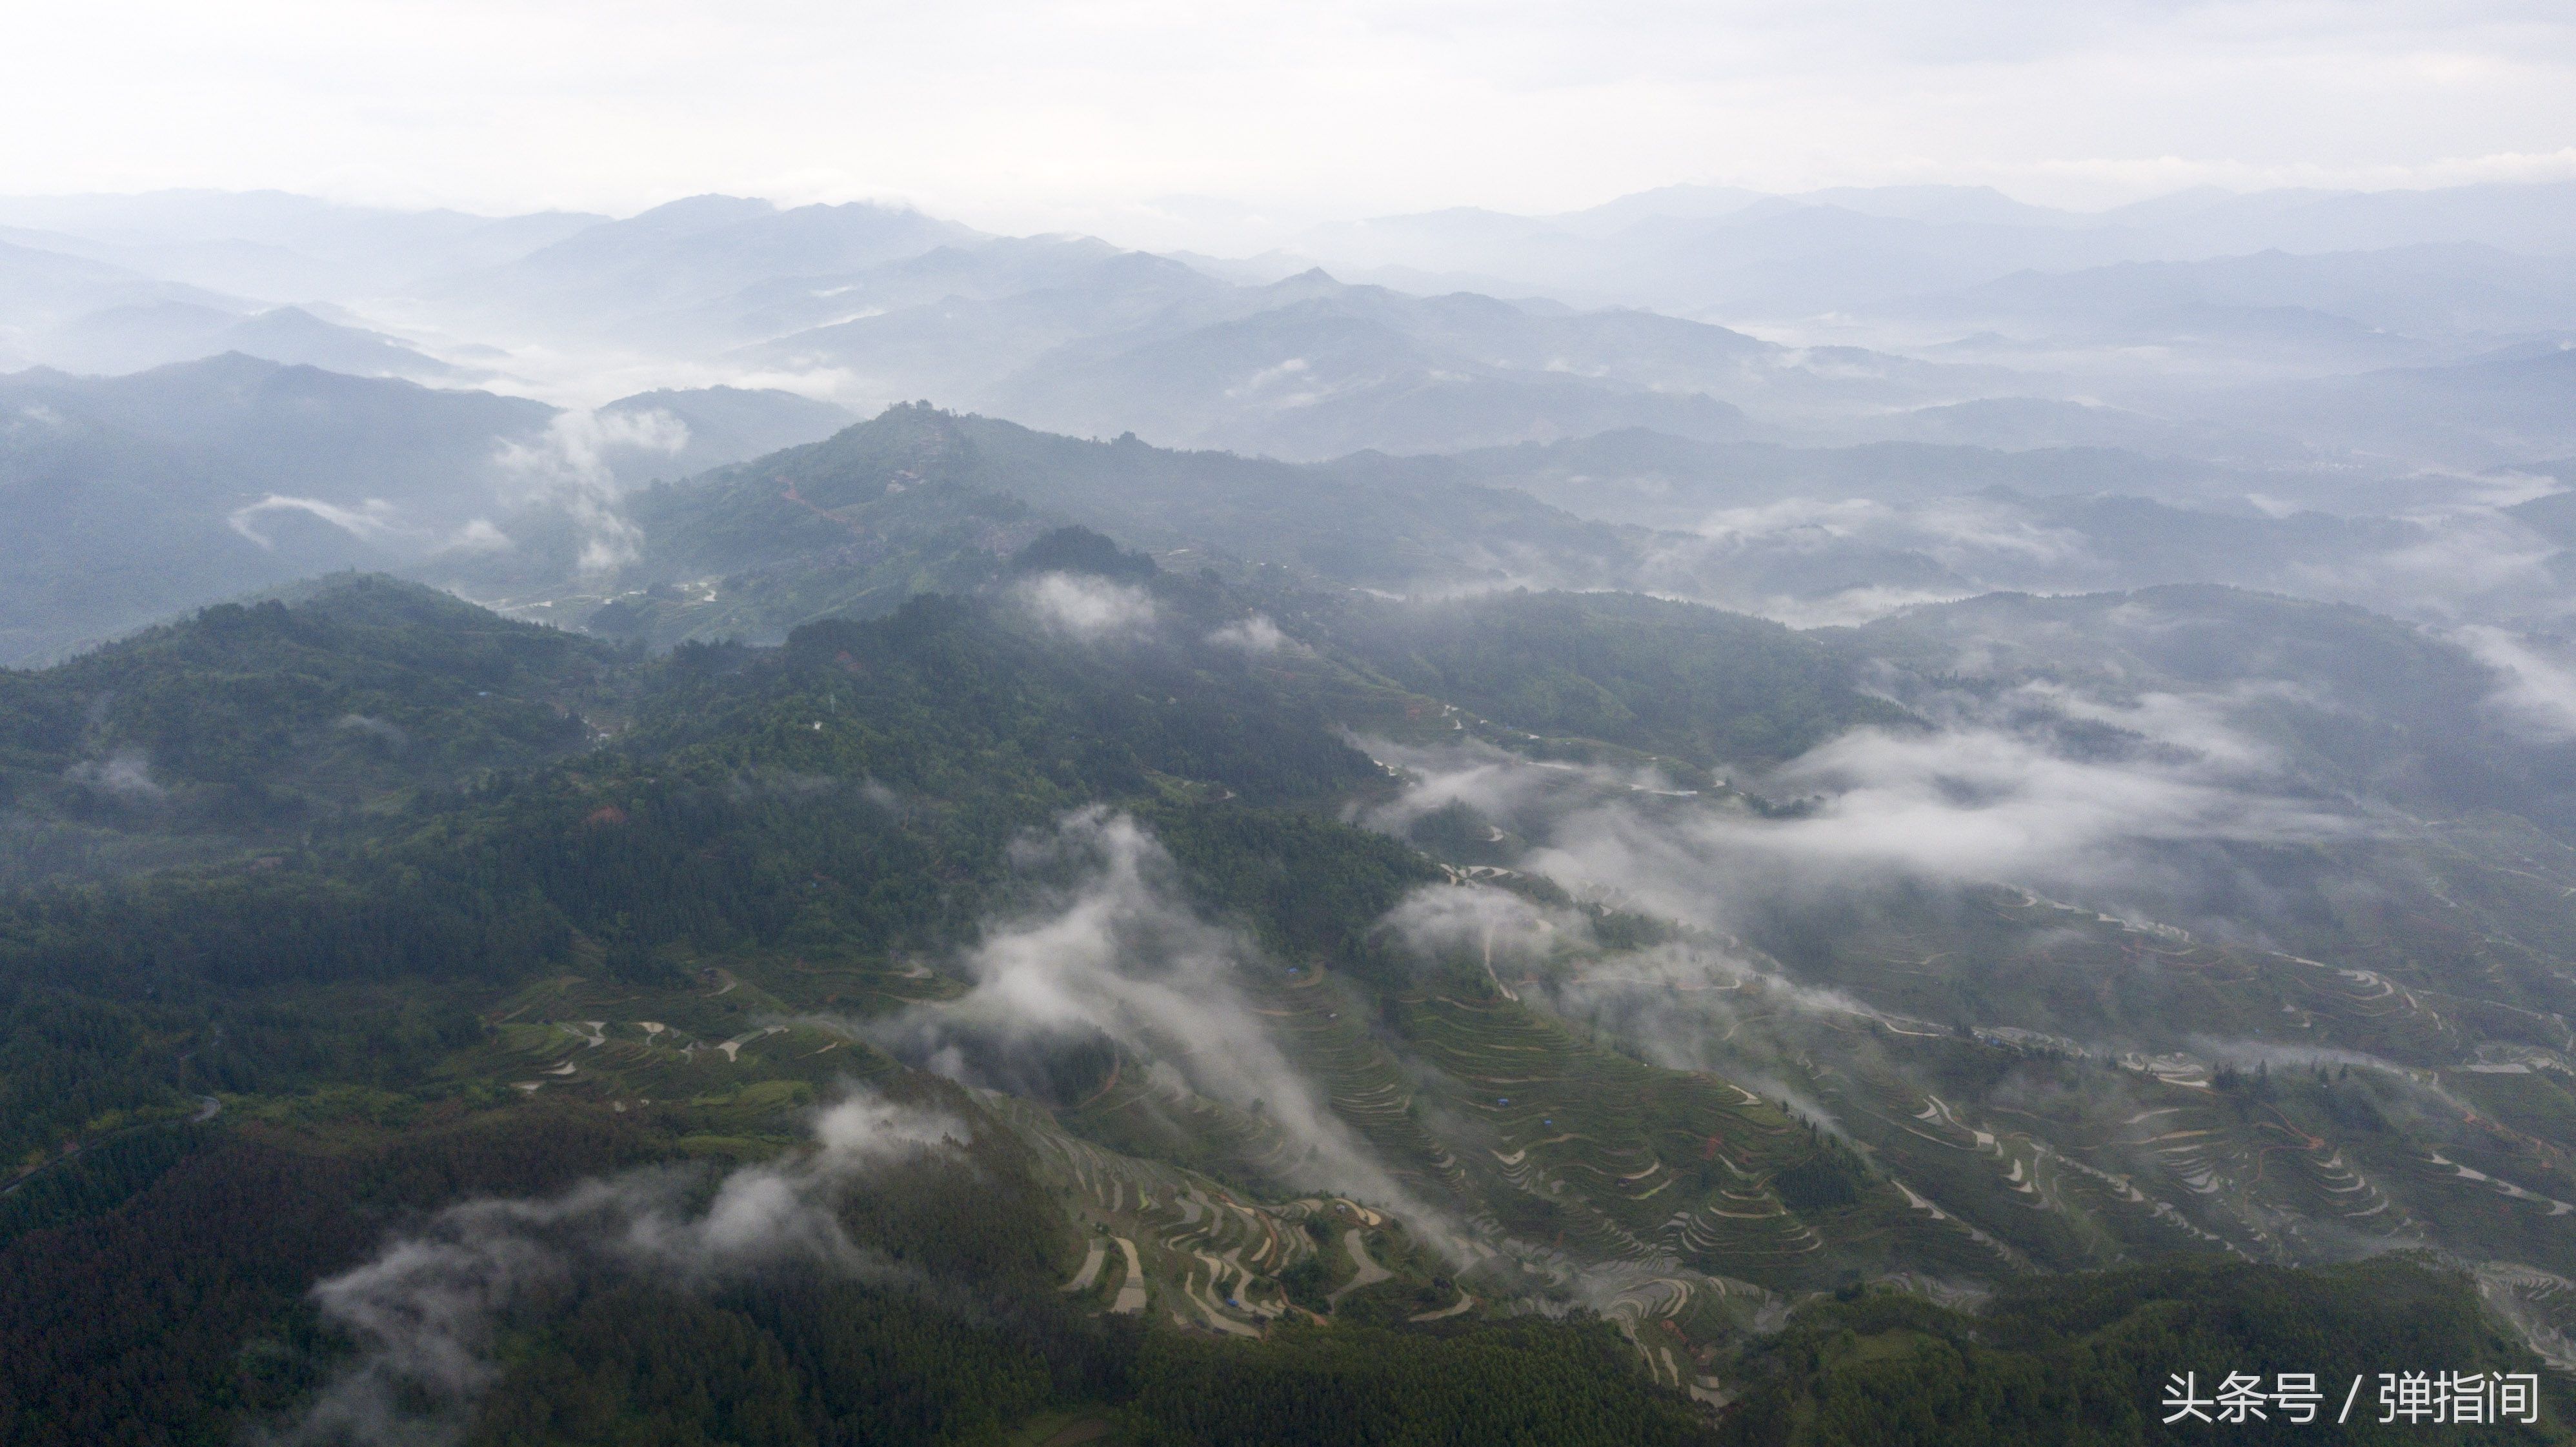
(1805, 1145)
(1158, 1236)
(1187, 1245)
(739, 1044)
(2060, 1161)
(716, 1044)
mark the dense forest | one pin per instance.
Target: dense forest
(358, 903)
(2088, 1360)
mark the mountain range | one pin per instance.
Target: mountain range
(139, 495)
(1475, 870)
(2276, 327)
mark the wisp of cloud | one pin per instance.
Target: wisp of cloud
(424, 1311)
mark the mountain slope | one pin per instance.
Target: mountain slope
(917, 496)
(688, 253)
(143, 495)
(1063, 941)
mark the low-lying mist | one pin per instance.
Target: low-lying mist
(2040, 788)
(1107, 946)
(424, 1312)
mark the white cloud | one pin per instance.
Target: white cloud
(373, 520)
(126, 773)
(1978, 800)
(568, 468)
(1482, 922)
(423, 1312)
(2465, 562)
(1986, 803)
(480, 535)
(1256, 634)
(1089, 609)
(1967, 533)
(385, 730)
(1116, 951)
(2538, 692)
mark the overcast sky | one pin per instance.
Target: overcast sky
(1024, 115)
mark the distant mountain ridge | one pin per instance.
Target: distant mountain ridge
(134, 497)
(919, 499)
(695, 251)
(1834, 316)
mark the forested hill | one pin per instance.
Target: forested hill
(1236, 1116)
(251, 725)
(1709, 688)
(918, 498)
(2379, 706)
(849, 802)
(1366, 519)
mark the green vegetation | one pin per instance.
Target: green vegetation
(2086, 1360)
(2379, 705)
(260, 727)
(920, 500)
(1519, 1382)
(1704, 687)
(574, 909)
(177, 1317)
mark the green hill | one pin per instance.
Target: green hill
(1250, 1145)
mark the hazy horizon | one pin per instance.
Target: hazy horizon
(1139, 122)
(1422, 723)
